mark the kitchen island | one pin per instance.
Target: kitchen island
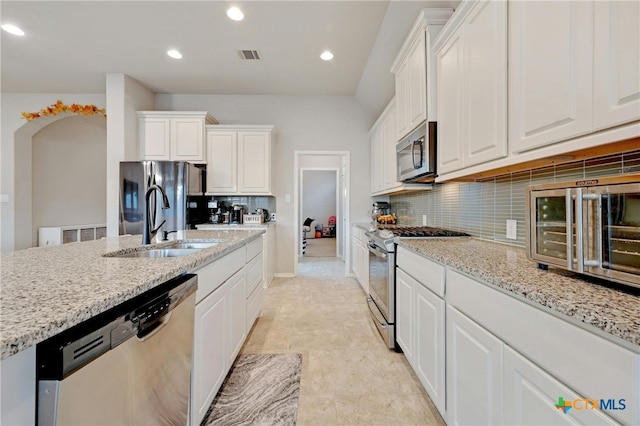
(48, 290)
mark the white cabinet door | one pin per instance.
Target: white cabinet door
(155, 138)
(364, 266)
(222, 162)
(485, 65)
(405, 316)
(210, 352)
(402, 103)
(451, 128)
(616, 79)
(417, 94)
(237, 301)
(389, 165)
(187, 136)
(254, 162)
(474, 372)
(550, 72)
(376, 160)
(429, 354)
(532, 396)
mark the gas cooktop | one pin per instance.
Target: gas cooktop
(421, 231)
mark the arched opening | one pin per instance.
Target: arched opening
(60, 174)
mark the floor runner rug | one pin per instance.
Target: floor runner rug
(260, 389)
(321, 247)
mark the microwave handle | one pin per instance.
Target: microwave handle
(413, 155)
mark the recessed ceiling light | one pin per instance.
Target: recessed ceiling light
(174, 54)
(12, 29)
(235, 14)
(326, 56)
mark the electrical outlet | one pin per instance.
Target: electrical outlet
(512, 229)
(424, 220)
(273, 217)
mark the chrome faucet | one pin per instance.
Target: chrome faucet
(148, 233)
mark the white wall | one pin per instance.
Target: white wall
(16, 157)
(125, 96)
(314, 123)
(69, 173)
(319, 195)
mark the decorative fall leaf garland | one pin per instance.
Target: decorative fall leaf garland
(59, 107)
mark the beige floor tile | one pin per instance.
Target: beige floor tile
(348, 375)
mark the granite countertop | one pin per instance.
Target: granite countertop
(50, 289)
(582, 301)
(235, 225)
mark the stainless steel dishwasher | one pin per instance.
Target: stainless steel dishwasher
(129, 365)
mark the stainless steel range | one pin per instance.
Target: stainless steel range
(382, 262)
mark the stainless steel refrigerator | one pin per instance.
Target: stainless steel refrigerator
(178, 179)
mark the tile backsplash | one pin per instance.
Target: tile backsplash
(481, 208)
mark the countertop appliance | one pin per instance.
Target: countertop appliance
(416, 155)
(179, 180)
(237, 214)
(382, 263)
(589, 226)
(128, 365)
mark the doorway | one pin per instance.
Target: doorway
(318, 212)
(330, 166)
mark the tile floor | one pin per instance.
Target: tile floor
(348, 375)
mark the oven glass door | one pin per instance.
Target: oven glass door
(549, 242)
(379, 279)
(617, 209)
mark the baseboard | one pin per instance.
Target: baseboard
(284, 275)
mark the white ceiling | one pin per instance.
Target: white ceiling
(69, 46)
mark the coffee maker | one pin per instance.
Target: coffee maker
(237, 214)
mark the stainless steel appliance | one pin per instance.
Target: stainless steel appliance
(237, 214)
(589, 226)
(416, 155)
(128, 365)
(382, 287)
(177, 179)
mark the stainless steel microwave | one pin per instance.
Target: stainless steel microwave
(590, 226)
(416, 155)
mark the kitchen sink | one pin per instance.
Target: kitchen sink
(153, 253)
(176, 249)
(192, 244)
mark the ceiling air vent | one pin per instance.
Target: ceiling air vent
(252, 55)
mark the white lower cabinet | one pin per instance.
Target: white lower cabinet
(474, 372)
(405, 320)
(530, 392)
(420, 321)
(360, 257)
(225, 311)
(505, 361)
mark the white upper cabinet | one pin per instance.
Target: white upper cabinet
(616, 73)
(173, 135)
(550, 73)
(414, 70)
(239, 160)
(471, 55)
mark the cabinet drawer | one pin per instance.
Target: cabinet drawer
(429, 273)
(254, 305)
(211, 276)
(254, 274)
(588, 364)
(253, 248)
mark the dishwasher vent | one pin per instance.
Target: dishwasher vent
(251, 55)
